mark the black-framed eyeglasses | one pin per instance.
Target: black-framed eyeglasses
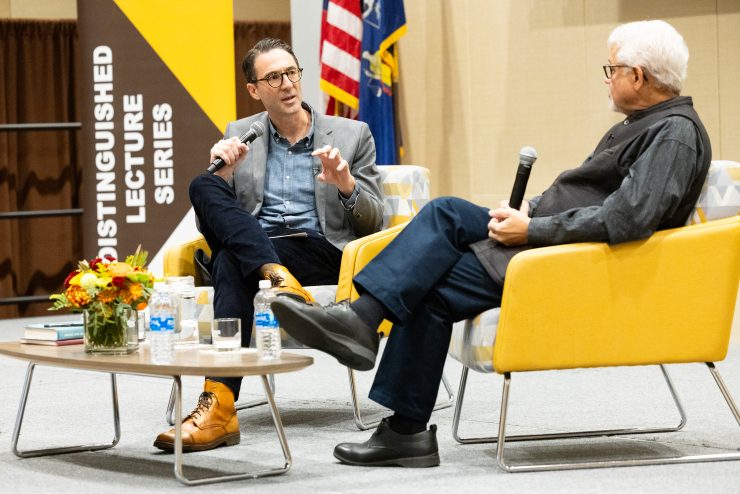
(610, 69)
(275, 79)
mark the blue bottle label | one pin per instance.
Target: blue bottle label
(157, 323)
(265, 320)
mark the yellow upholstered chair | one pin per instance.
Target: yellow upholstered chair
(406, 191)
(664, 300)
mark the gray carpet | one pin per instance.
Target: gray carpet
(72, 407)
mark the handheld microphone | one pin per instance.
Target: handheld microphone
(527, 157)
(255, 130)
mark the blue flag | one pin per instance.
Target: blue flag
(383, 23)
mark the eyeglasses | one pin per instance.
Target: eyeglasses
(610, 69)
(275, 79)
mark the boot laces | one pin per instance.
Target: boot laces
(341, 303)
(204, 403)
(275, 278)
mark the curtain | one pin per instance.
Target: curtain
(40, 170)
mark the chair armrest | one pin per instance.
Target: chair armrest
(666, 299)
(179, 258)
(357, 254)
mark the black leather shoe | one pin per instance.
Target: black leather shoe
(388, 448)
(335, 329)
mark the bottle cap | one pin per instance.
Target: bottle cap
(265, 284)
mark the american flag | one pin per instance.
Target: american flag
(359, 67)
(341, 46)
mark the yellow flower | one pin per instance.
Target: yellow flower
(103, 281)
(76, 279)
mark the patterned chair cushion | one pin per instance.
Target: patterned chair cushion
(720, 198)
(406, 189)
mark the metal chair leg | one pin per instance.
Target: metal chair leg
(363, 426)
(178, 466)
(67, 449)
(502, 438)
(725, 392)
(563, 435)
(239, 406)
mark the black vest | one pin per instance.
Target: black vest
(603, 172)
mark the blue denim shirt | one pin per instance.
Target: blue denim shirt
(289, 184)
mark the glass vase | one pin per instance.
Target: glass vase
(111, 330)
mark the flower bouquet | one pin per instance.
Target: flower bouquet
(108, 292)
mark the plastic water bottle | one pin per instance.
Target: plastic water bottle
(162, 315)
(266, 329)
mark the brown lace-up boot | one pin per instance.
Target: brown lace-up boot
(211, 424)
(285, 283)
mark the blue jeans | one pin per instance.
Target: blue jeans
(240, 246)
(437, 280)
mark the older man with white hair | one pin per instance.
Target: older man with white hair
(449, 263)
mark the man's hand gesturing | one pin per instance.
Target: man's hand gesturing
(335, 170)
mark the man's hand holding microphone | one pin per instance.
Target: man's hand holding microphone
(510, 223)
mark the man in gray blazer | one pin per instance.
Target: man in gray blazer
(281, 208)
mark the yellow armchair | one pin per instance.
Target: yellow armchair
(179, 259)
(665, 300)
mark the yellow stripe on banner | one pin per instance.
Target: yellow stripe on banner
(339, 94)
(395, 36)
(195, 40)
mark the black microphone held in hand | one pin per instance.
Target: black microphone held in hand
(527, 157)
(256, 130)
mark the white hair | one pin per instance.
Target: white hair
(655, 46)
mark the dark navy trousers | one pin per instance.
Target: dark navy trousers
(428, 278)
(240, 246)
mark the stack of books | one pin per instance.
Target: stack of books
(54, 333)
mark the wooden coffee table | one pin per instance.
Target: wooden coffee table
(195, 361)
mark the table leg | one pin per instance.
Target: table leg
(178, 467)
(67, 449)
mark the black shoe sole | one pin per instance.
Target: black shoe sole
(228, 440)
(346, 350)
(427, 461)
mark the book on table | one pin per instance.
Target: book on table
(74, 341)
(53, 331)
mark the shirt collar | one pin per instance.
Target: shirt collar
(307, 140)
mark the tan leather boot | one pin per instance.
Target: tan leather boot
(286, 284)
(211, 424)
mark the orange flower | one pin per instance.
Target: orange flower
(77, 296)
(108, 295)
(136, 291)
(121, 269)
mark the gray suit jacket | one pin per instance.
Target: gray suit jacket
(356, 145)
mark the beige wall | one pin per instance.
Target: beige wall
(38, 9)
(244, 10)
(482, 78)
